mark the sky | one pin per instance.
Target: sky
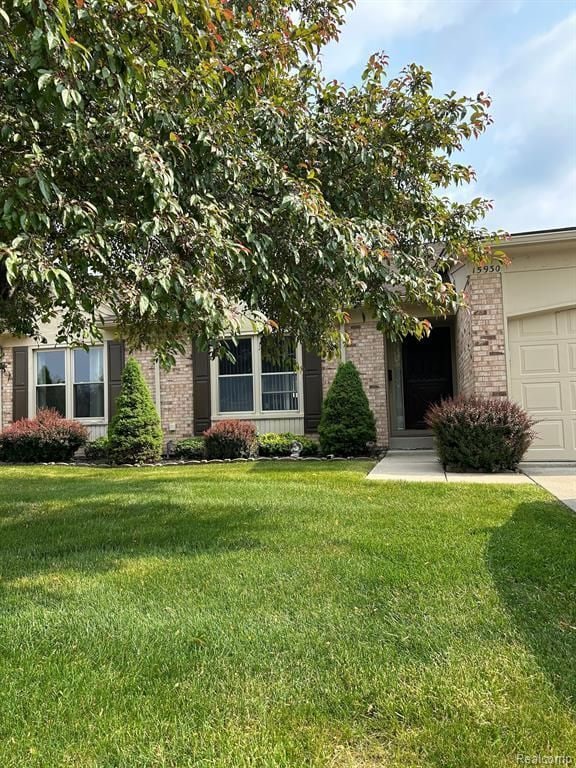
(523, 54)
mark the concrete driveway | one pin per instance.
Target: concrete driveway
(423, 466)
(558, 479)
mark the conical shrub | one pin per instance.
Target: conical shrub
(135, 434)
(347, 423)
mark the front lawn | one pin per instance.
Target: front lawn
(281, 614)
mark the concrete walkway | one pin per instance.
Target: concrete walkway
(559, 479)
(422, 466)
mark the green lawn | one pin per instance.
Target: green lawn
(281, 614)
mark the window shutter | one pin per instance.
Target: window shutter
(19, 383)
(202, 404)
(115, 368)
(312, 378)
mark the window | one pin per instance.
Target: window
(51, 380)
(279, 382)
(236, 380)
(89, 383)
(71, 381)
(255, 384)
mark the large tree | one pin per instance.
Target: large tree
(183, 163)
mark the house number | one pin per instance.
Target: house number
(485, 269)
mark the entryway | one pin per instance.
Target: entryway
(420, 373)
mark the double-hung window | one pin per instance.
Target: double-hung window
(254, 384)
(88, 383)
(236, 380)
(280, 382)
(71, 381)
(51, 380)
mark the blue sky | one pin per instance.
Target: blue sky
(523, 54)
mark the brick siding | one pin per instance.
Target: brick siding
(480, 346)
(367, 350)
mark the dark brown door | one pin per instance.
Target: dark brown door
(427, 367)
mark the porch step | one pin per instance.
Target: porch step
(412, 443)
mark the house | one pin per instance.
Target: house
(516, 338)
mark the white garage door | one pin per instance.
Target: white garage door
(543, 380)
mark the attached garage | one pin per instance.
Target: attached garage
(539, 306)
(542, 355)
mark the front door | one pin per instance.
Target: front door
(427, 372)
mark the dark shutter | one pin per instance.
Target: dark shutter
(19, 383)
(201, 390)
(115, 368)
(312, 376)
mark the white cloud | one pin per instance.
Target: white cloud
(373, 23)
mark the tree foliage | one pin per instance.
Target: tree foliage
(181, 164)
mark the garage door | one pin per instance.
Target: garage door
(543, 380)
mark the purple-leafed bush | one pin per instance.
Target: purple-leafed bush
(47, 437)
(480, 434)
(230, 439)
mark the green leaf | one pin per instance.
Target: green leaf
(144, 303)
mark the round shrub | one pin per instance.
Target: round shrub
(134, 434)
(479, 434)
(230, 439)
(280, 444)
(190, 448)
(97, 450)
(347, 424)
(47, 437)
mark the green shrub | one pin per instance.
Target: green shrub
(280, 444)
(347, 424)
(230, 439)
(47, 437)
(97, 450)
(134, 434)
(480, 434)
(190, 448)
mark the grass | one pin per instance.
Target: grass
(284, 615)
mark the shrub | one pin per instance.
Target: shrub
(347, 423)
(134, 434)
(280, 444)
(480, 434)
(97, 449)
(191, 448)
(48, 437)
(231, 439)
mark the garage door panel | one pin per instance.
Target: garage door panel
(539, 359)
(572, 358)
(538, 325)
(542, 396)
(551, 435)
(543, 380)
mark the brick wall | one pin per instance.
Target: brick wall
(367, 350)
(6, 378)
(176, 398)
(480, 349)
(175, 392)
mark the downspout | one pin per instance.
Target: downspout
(157, 396)
(342, 344)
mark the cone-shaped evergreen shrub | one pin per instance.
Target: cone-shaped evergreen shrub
(347, 423)
(134, 434)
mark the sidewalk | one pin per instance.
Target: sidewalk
(559, 478)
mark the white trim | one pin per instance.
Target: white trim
(257, 412)
(69, 381)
